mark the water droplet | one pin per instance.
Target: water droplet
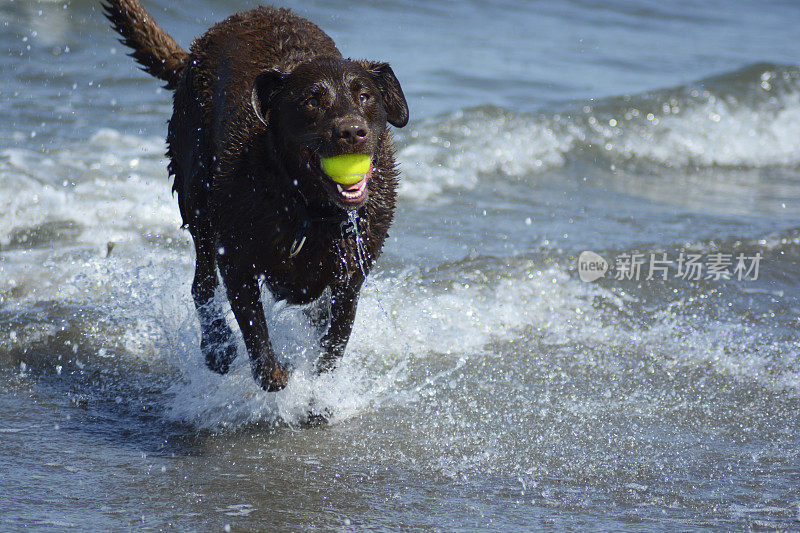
(361, 249)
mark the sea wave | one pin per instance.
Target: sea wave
(116, 184)
(414, 331)
(746, 119)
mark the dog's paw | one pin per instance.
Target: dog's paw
(218, 347)
(218, 358)
(273, 377)
(316, 417)
(316, 420)
(218, 355)
(327, 362)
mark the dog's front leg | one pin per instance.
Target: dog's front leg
(245, 298)
(344, 300)
(216, 337)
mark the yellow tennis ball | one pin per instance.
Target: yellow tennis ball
(347, 169)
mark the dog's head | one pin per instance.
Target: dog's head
(328, 107)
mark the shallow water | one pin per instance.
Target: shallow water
(486, 387)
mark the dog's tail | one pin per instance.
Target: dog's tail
(153, 48)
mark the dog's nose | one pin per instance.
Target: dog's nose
(351, 131)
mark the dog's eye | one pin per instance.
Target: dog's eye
(312, 103)
(364, 97)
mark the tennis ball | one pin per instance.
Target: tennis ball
(347, 169)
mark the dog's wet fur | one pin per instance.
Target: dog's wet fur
(259, 100)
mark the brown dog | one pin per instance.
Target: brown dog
(259, 100)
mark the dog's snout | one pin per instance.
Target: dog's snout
(351, 131)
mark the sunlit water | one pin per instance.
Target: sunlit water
(485, 385)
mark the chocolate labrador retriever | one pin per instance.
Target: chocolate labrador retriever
(259, 101)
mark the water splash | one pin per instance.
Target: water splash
(361, 248)
(363, 255)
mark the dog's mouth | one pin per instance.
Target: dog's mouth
(349, 194)
(354, 194)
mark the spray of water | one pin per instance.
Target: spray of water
(361, 249)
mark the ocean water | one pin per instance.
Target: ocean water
(486, 385)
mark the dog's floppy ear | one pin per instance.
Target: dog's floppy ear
(394, 101)
(266, 86)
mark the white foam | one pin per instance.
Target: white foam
(731, 348)
(405, 322)
(112, 185)
(115, 193)
(399, 321)
(110, 189)
(461, 150)
(718, 132)
(699, 130)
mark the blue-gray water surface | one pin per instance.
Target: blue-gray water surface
(487, 386)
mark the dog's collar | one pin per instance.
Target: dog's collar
(336, 215)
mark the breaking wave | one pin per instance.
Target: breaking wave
(748, 118)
